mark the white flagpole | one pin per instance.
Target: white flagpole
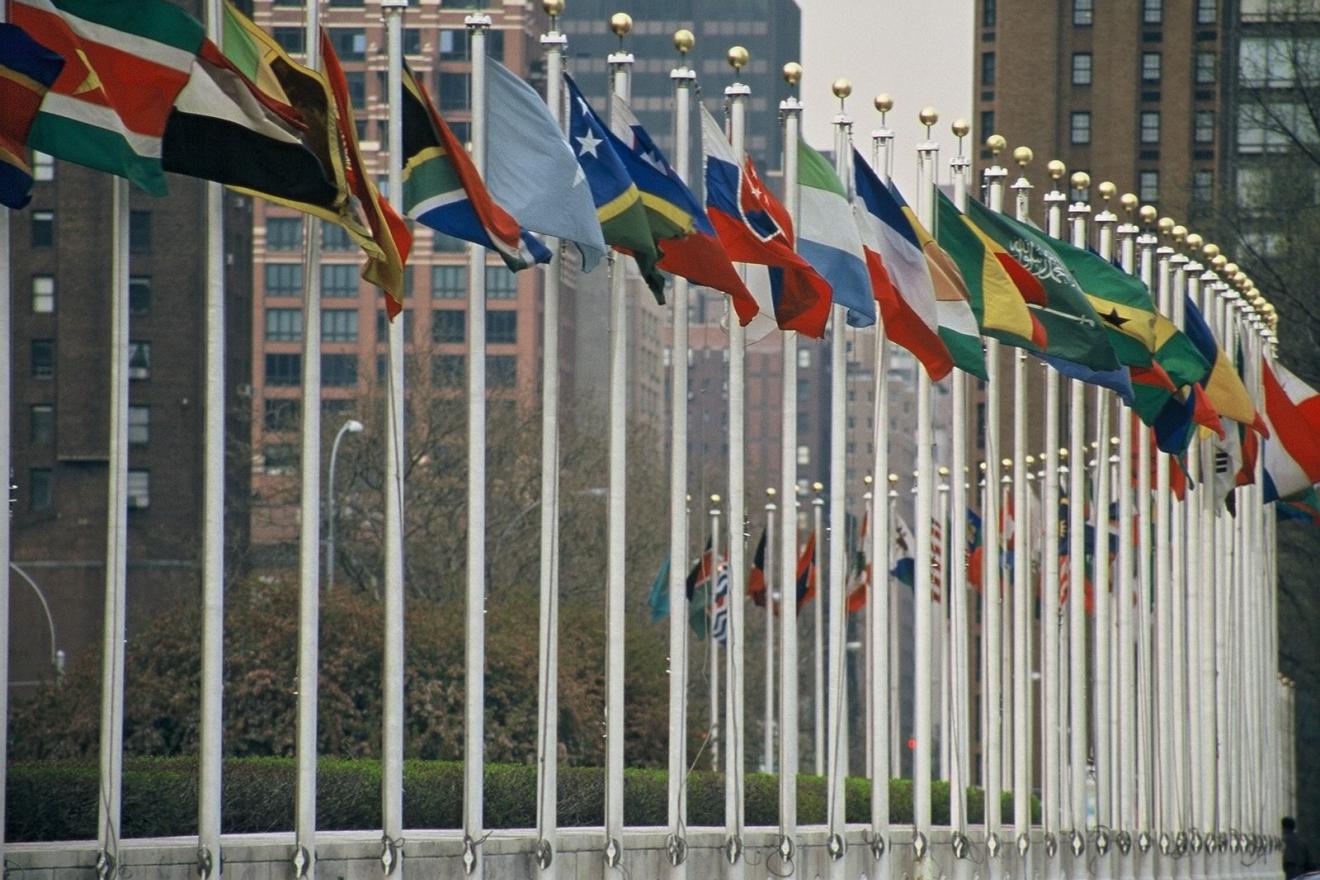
(790, 110)
(1145, 813)
(547, 747)
(1176, 588)
(6, 418)
(1199, 599)
(620, 66)
(882, 706)
(116, 551)
(391, 765)
(474, 721)
(942, 624)
(922, 672)
(1208, 707)
(992, 593)
(713, 670)
(735, 714)
(768, 754)
(1163, 615)
(211, 721)
(683, 78)
(837, 723)
(818, 630)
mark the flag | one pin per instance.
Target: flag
(442, 189)
(975, 551)
(1222, 384)
(619, 206)
(997, 285)
(1122, 302)
(901, 547)
(1303, 508)
(1072, 326)
(754, 228)
(388, 230)
(756, 577)
(860, 577)
(1292, 411)
(532, 171)
(687, 241)
(698, 586)
(27, 70)
(936, 559)
(658, 600)
(829, 239)
(719, 618)
(900, 278)
(806, 573)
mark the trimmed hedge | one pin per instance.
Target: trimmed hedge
(57, 801)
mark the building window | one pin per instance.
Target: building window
(500, 283)
(1152, 11)
(1204, 130)
(1206, 67)
(448, 325)
(339, 370)
(41, 424)
(1081, 127)
(447, 244)
(139, 490)
(447, 370)
(1203, 186)
(43, 294)
(43, 228)
(284, 279)
(283, 233)
(453, 44)
(139, 232)
(350, 43)
(412, 41)
(383, 325)
(449, 282)
(335, 238)
(139, 360)
(501, 327)
(139, 424)
(1081, 68)
(987, 124)
(283, 369)
(356, 80)
(452, 91)
(1148, 186)
(1083, 12)
(282, 414)
(804, 455)
(989, 13)
(284, 325)
(41, 489)
(280, 458)
(339, 281)
(1150, 127)
(339, 325)
(43, 166)
(139, 294)
(1150, 67)
(987, 68)
(43, 358)
(1207, 11)
(291, 39)
(501, 371)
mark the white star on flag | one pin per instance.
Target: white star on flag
(589, 142)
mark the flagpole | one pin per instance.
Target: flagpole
(547, 752)
(836, 813)
(922, 672)
(882, 708)
(6, 418)
(790, 111)
(620, 67)
(116, 552)
(1022, 721)
(768, 755)
(943, 623)
(735, 714)
(1163, 585)
(713, 671)
(992, 593)
(1177, 589)
(211, 709)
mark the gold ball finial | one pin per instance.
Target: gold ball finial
(928, 116)
(1210, 250)
(1230, 269)
(818, 486)
(1056, 169)
(738, 56)
(961, 128)
(1128, 201)
(1023, 156)
(770, 491)
(1080, 180)
(1219, 262)
(621, 24)
(996, 144)
(1165, 225)
(1193, 241)
(684, 40)
(792, 73)
(553, 8)
(841, 88)
(1148, 214)
(1179, 232)
(1107, 189)
(884, 102)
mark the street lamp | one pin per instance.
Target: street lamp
(352, 426)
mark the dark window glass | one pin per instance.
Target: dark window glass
(339, 370)
(447, 370)
(1150, 127)
(1204, 131)
(350, 43)
(339, 280)
(495, 44)
(453, 44)
(139, 425)
(41, 489)
(139, 360)
(987, 124)
(501, 326)
(280, 458)
(282, 414)
(383, 326)
(448, 282)
(291, 39)
(1206, 63)
(139, 490)
(989, 12)
(139, 294)
(1083, 12)
(500, 283)
(43, 228)
(1152, 11)
(43, 358)
(139, 232)
(1081, 128)
(283, 369)
(1203, 186)
(339, 325)
(283, 233)
(41, 424)
(448, 325)
(1150, 67)
(1207, 11)
(987, 68)
(284, 279)
(453, 91)
(284, 325)
(335, 238)
(1081, 68)
(501, 371)
(412, 41)
(1148, 186)
(357, 91)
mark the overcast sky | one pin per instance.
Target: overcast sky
(919, 51)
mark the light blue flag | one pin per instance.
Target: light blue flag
(531, 170)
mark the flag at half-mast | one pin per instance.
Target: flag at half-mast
(828, 236)
(27, 69)
(754, 228)
(442, 189)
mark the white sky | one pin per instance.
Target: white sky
(919, 51)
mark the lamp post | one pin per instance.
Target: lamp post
(352, 426)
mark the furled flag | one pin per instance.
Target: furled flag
(388, 230)
(998, 286)
(975, 551)
(27, 69)
(698, 589)
(719, 606)
(936, 559)
(687, 241)
(1292, 454)
(828, 236)
(618, 203)
(806, 573)
(756, 577)
(442, 189)
(532, 171)
(860, 576)
(754, 228)
(1223, 386)
(1074, 331)
(899, 276)
(901, 547)
(658, 600)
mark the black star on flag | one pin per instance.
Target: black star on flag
(1115, 318)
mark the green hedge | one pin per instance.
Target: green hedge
(57, 801)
